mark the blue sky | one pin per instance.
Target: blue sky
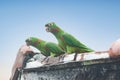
(96, 23)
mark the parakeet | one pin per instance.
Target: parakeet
(66, 41)
(46, 48)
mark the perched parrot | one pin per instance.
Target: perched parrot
(66, 41)
(46, 48)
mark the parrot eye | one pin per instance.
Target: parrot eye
(50, 24)
(29, 38)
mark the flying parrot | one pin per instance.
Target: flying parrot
(66, 41)
(46, 48)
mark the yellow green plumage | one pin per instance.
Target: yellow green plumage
(66, 41)
(46, 48)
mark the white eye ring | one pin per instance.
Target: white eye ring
(29, 38)
(49, 24)
(52, 23)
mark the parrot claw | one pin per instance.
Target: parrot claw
(45, 60)
(61, 57)
(75, 56)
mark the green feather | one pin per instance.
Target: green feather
(54, 49)
(71, 41)
(46, 48)
(66, 41)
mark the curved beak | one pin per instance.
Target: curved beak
(27, 42)
(47, 29)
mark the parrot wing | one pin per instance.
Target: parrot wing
(71, 41)
(54, 48)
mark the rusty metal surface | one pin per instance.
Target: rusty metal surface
(98, 69)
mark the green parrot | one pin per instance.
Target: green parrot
(66, 41)
(46, 48)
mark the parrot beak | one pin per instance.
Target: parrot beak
(27, 42)
(47, 29)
